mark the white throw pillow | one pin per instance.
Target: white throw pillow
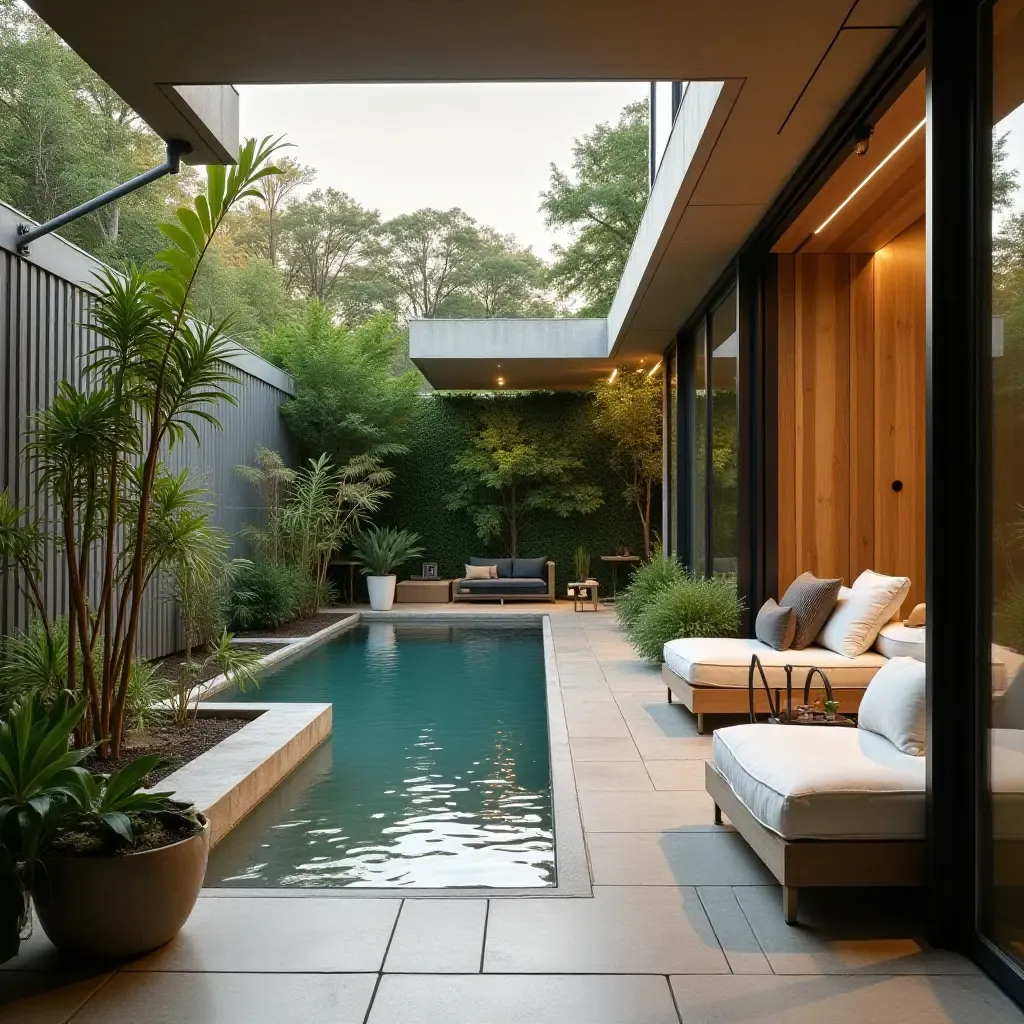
(900, 585)
(895, 705)
(895, 640)
(861, 611)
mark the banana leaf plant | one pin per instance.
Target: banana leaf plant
(46, 791)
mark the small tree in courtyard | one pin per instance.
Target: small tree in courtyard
(510, 470)
(627, 411)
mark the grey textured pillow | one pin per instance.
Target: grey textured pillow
(775, 625)
(812, 601)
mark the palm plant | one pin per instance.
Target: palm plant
(237, 664)
(155, 375)
(272, 478)
(381, 550)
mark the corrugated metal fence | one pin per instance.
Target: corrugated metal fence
(44, 301)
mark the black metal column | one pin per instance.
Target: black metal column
(686, 451)
(957, 477)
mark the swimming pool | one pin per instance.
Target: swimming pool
(437, 773)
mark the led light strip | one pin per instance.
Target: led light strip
(614, 375)
(899, 146)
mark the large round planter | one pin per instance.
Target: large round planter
(112, 908)
(382, 592)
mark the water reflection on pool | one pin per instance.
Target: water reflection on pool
(436, 775)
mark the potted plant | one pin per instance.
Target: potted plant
(581, 564)
(113, 870)
(831, 709)
(381, 550)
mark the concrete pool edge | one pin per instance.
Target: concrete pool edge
(230, 779)
(572, 868)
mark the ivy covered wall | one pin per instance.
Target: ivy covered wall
(424, 478)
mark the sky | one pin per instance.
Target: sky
(486, 148)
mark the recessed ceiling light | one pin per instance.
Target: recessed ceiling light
(894, 151)
(501, 382)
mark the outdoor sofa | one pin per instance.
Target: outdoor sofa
(514, 579)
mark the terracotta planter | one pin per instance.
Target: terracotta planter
(382, 592)
(112, 908)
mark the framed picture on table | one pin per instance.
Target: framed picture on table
(429, 571)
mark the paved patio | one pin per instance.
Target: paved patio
(684, 925)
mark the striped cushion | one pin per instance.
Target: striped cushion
(812, 601)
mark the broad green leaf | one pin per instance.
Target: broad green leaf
(194, 226)
(181, 238)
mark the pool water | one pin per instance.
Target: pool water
(437, 773)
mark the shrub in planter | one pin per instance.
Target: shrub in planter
(646, 580)
(693, 606)
(263, 594)
(114, 871)
(380, 551)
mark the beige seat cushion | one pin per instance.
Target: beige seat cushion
(725, 662)
(816, 782)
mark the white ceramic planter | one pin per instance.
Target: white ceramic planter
(382, 592)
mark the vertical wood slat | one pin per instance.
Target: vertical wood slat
(862, 414)
(787, 431)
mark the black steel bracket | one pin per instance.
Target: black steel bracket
(176, 149)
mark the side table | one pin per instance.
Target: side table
(423, 592)
(583, 591)
(616, 560)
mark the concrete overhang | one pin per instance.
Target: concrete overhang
(524, 354)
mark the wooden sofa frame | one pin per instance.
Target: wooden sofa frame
(735, 700)
(548, 595)
(812, 863)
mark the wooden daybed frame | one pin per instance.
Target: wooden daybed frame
(735, 700)
(548, 594)
(813, 863)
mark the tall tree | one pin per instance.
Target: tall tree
(601, 200)
(258, 225)
(323, 237)
(627, 410)
(427, 256)
(511, 470)
(506, 279)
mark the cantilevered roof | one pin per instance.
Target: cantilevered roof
(786, 67)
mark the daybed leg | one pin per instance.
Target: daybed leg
(789, 902)
(669, 688)
(718, 815)
(700, 723)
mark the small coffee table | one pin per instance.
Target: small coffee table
(583, 591)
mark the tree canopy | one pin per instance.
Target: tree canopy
(602, 201)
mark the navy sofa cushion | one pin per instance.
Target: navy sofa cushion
(498, 587)
(529, 568)
(504, 565)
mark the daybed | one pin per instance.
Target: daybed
(516, 579)
(834, 806)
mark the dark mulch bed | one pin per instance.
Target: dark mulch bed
(167, 667)
(300, 627)
(178, 744)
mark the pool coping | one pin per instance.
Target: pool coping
(572, 867)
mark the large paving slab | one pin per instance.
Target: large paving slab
(497, 999)
(438, 936)
(302, 935)
(867, 999)
(622, 930)
(144, 998)
(679, 811)
(36, 997)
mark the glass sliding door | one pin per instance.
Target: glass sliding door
(1002, 868)
(724, 385)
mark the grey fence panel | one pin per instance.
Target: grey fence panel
(44, 311)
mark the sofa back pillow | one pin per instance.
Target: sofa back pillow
(812, 601)
(478, 572)
(775, 625)
(861, 611)
(529, 568)
(503, 565)
(895, 640)
(895, 705)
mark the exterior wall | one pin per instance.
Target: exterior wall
(42, 341)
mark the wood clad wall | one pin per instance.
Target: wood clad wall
(851, 413)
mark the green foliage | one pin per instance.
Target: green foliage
(511, 469)
(346, 402)
(382, 550)
(581, 563)
(692, 606)
(424, 481)
(627, 410)
(235, 663)
(646, 581)
(265, 594)
(35, 661)
(602, 202)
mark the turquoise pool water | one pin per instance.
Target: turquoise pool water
(437, 773)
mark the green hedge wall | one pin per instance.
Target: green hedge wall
(424, 477)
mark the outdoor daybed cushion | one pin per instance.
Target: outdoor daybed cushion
(807, 782)
(505, 586)
(724, 661)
